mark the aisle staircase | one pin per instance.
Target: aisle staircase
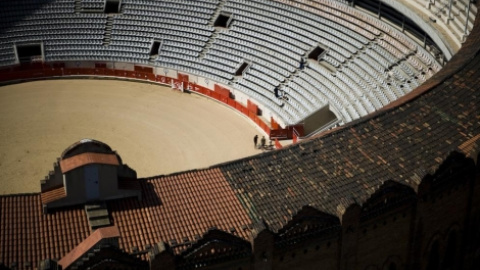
(217, 12)
(78, 6)
(209, 43)
(97, 214)
(108, 31)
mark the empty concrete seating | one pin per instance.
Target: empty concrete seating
(366, 63)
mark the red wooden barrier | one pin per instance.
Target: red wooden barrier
(58, 65)
(252, 107)
(214, 95)
(221, 90)
(182, 77)
(224, 99)
(238, 106)
(274, 124)
(40, 70)
(277, 144)
(151, 77)
(279, 133)
(143, 69)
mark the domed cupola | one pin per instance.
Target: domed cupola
(88, 171)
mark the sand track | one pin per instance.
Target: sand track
(154, 129)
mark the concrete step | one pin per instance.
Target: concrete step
(95, 206)
(98, 223)
(97, 214)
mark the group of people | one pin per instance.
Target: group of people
(262, 144)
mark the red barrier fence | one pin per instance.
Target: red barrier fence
(287, 133)
(252, 107)
(281, 134)
(222, 94)
(274, 124)
(277, 144)
(222, 90)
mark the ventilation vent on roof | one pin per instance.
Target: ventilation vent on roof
(112, 6)
(242, 69)
(31, 52)
(224, 20)
(316, 53)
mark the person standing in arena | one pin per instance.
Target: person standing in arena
(255, 140)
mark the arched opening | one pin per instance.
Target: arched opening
(434, 257)
(450, 252)
(392, 266)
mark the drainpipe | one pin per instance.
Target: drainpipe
(466, 21)
(449, 17)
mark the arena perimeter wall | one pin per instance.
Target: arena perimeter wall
(129, 71)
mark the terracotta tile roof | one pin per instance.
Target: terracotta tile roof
(87, 244)
(27, 235)
(53, 194)
(470, 146)
(83, 159)
(177, 208)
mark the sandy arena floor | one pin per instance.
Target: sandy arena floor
(154, 129)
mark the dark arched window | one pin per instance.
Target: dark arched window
(434, 257)
(450, 252)
(392, 266)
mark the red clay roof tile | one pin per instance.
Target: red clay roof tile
(26, 235)
(87, 244)
(53, 195)
(168, 212)
(83, 159)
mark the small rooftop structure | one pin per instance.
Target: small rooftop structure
(88, 171)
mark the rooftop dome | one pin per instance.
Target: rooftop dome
(86, 145)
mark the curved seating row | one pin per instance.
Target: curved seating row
(366, 64)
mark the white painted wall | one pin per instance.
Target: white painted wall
(425, 24)
(171, 73)
(124, 66)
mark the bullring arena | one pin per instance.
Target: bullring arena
(160, 130)
(379, 99)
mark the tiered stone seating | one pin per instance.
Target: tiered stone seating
(367, 64)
